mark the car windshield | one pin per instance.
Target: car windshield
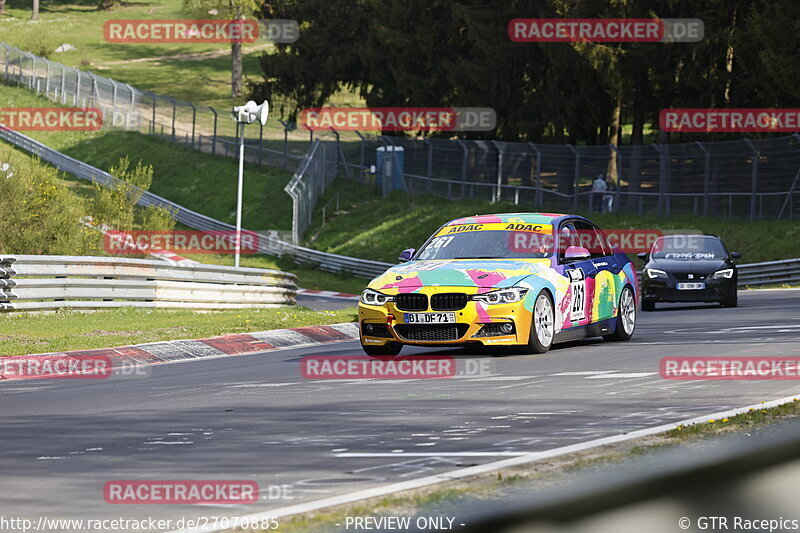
(689, 247)
(489, 244)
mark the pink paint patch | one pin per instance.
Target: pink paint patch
(483, 316)
(588, 304)
(405, 284)
(483, 278)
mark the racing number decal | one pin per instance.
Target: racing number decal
(578, 285)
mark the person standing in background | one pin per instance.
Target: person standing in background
(599, 188)
(608, 197)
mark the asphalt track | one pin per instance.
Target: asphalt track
(256, 418)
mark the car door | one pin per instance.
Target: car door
(577, 306)
(603, 283)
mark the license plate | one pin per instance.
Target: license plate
(430, 318)
(691, 286)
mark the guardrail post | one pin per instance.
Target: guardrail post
(754, 178)
(575, 177)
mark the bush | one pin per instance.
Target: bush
(41, 216)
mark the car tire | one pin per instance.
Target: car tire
(648, 305)
(730, 302)
(390, 349)
(543, 324)
(626, 316)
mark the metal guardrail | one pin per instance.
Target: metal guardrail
(47, 282)
(770, 272)
(267, 243)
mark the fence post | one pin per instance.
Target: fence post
(537, 197)
(5, 76)
(499, 194)
(706, 177)
(133, 108)
(77, 97)
(362, 149)
(63, 83)
(113, 101)
(47, 81)
(464, 166)
(285, 141)
(662, 178)
(33, 72)
(618, 192)
(575, 177)
(153, 120)
(754, 178)
(430, 163)
(214, 135)
(260, 142)
(194, 120)
(175, 112)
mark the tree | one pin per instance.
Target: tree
(232, 10)
(35, 13)
(2, 7)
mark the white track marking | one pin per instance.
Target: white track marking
(433, 454)
(585, 373)
(461, 473)
(621, 375)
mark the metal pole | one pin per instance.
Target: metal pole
(662, 179)
(706, 177)
(575, 176)
(260, 142)
(538, 174)
(47, 81)
(174, 112)
(499, 191)
(430, 163)
(754, 178)
(63, 82)
(214, 138)
(464, 166)
(361, 150)
(77, 88)
(5, 76)
(194, 121)
(239, 196)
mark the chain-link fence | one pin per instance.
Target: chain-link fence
(313, 176)
(753, 178)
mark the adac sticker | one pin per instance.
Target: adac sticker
(496, 226)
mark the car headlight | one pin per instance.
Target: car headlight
(726, 273)
(502, 296)
(372, 297)
(655, 273)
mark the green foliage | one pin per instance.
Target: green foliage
(40, 216)
(116, 206)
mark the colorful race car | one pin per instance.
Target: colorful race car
(521, 281)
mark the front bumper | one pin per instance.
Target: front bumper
(664, 290)
(476, 323)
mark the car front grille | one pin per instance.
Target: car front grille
(431, 332)
(695, 277)
(448, 301)
(411, 302)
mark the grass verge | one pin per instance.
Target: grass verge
(67, 330)
(491, 484)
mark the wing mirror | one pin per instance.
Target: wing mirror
(406, 255)
(575, 253)
(642, 256)
(735, 255)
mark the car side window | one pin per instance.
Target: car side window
(567, 236)
(593, 240)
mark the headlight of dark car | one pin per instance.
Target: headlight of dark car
(726, 273)
(653, 273)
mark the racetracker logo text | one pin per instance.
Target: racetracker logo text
(620, 30)
(362, 367)
(61, 366)
(398, 119)
(145, 31)
(182, 242)
(51, 118)
(743, 120)
(730, 368)
(180, 492)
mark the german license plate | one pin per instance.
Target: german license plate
(691, 286)
(430, 318)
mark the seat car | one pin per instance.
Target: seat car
(689, 268)
(522, 281)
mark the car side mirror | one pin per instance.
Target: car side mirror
(735, 255)
(642, 256)
(575, 253)
(406, 255)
